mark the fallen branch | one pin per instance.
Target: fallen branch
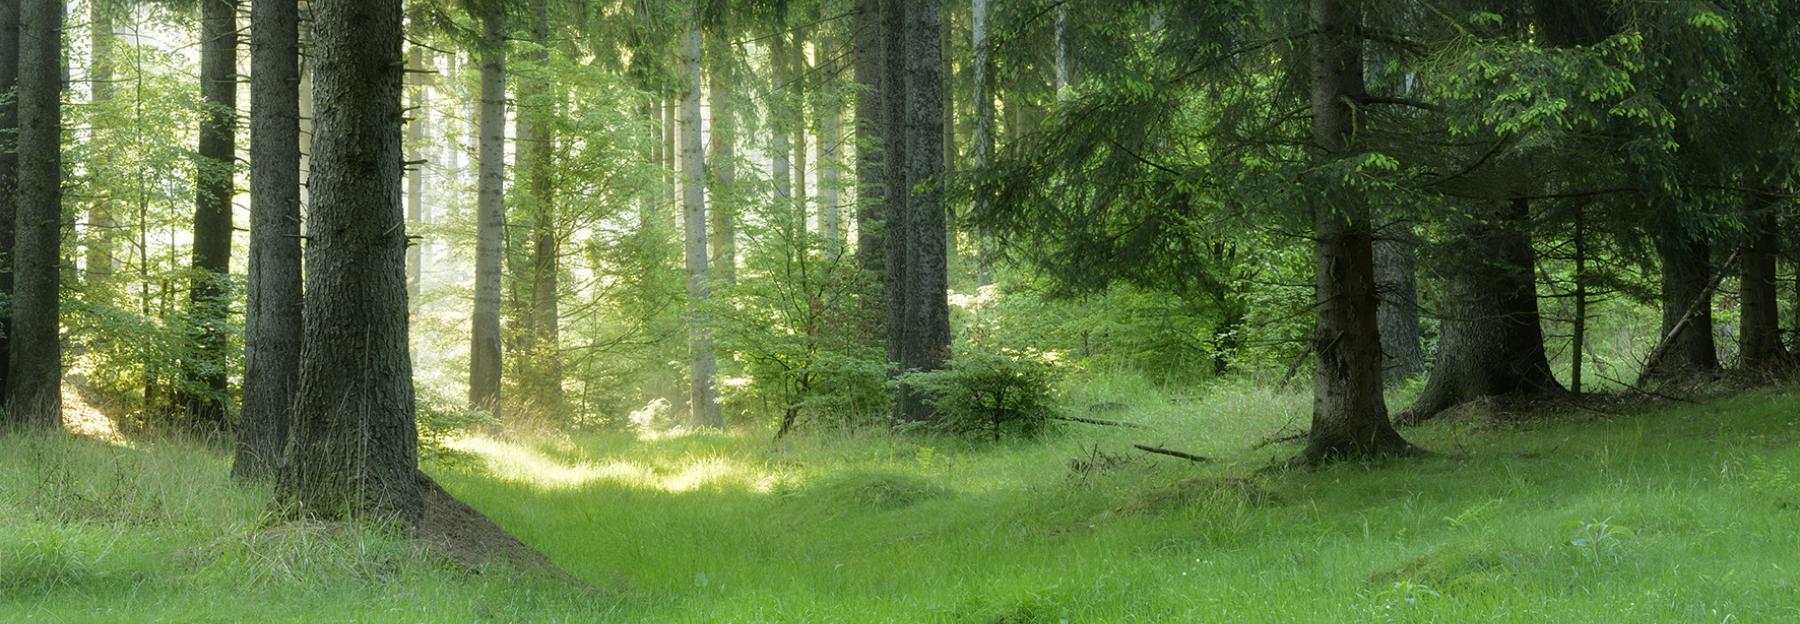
(1278, 439)
(1171, 453)
(1651, 364)
(1097, 421)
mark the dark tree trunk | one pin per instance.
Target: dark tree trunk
(544, 365)
(1396, 279)
(1492, 343)
(34, 381)
(871, 177)
(925, 345)
(723, 158)
(1759, 330)
(1686, 272)
(703, 396)
(100, 211)
(354, 452)
(9, 176)
(272, 315)
(1350, 417)
(490, 216)
(209, 294)
(895, 192)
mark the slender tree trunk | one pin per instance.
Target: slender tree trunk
(703, 396)
(272, 315)
(354, 452)
(926, 344)
(1579, 333)
(1063, 62)
(671, 163)
(536, 144)
(490, 217)
(870, 58)
(723, 160)
(212, 212)
(781, 151)
(799, 75)
(984, 136)
(896, 193)
(1759, 333)
(1492, 342)
(9, 178)
(100, 211)
(34, 383)
(1396, 280)
(828, 115)
(1349, 413)
(1686, 270)
(415, 156)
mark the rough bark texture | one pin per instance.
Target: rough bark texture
(870, 57)
(925, 344)
(272, 315)
(543, 369)
(34, 381)
(213, 191)
(415, 156)
(703, 397)
(1492, 342)
(100, 210)
(1349, 413)
(984, 137)
(490, 216)
(354, 451)
(1759, 329)
(1396, 279)
(9, 175)
(1686, 271)
(895, 192)
(723, 158)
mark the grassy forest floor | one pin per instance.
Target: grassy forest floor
(1684, 512)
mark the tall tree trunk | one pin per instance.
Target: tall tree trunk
(1759, 331)
(34, 382)
(896, 193)
(1686, 271)
(781, 151)
(948, 143)
(272, 315)
(798, 75)
(926, 343)
(1396, 279)
(9, 177)
(212, 212)
(100, 211)
(723, 160)
(1349, 413)
(490, 216)
(1492, 342)
(870, 58)
(354, 452)
(828, 114)
(536, 143)
(702, 367)
(415, 156)
(984, 136)
(1063, 62)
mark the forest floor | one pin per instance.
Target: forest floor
(1683, 512)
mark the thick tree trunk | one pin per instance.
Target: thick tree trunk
(272, 315)
(896, 193)
(1759, 329)
(984, 137)
(490, 217)
(212, 212)
(34, 382)
(871, 177)
(100, 211)
(1349, 413)
(703, 397)
(354, 452)
(1396, 279)
(543, 367)
(1492, 342)
(723, 160)
(9, 176)
(415, 155)
(1686, 271)
(925, 345)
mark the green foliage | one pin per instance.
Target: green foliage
(441, 418)
(991, 394)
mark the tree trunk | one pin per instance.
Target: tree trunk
(1396, 279)
(703, 366)
(272, 315)
(798, 75)
(829, 116)
(984, 137)
(1759, 330)
(948, 144)
(535, 145)
(1063, 62)
(34, 384)
(100, 212)
(723, 158)
(1349, 413)
(871, 174)
(9, 177)
(896, 193)
(1492, 342)
(781, 150)
(925, 345)
(212, 212)
(354, 452)
(490, 216)
(1686, 270)
(415, 156)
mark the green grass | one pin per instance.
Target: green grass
(1687, 513)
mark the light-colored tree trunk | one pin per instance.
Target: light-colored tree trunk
(490, 218)
(100, 212)
(781, 153)
(417, 119)
(984, 134)
(723, 165)
(702, 366)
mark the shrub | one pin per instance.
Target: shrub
(992, 393)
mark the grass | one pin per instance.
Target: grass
(1685, 513)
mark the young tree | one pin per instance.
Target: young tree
(34, 380)
(702, 366)
(272, 315)
(354, 452)
(490, 210)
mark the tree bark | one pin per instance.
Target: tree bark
(702, 366)
(896, 193)
(34, 382)
(9, 177)
(1686, 269)
(273, 313)
(781, 149)
(925, 345)
(100, 211)
(723, 158)
(1759, 329)
(490, 215)
(984, 136)
(797, 77)
(829, 115)
(1396, 279)
(1492, 342)
(415, 155)
(1349, 413)
(536, 142)
(870, 58)
(354, 452)
(209, 293)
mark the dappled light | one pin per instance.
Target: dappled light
(522, 463)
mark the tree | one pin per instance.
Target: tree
(1396, 279)
(919, 281)
(213, 190)
(34, 378)
(984, 132)
(273, 313)
(100, 212)
(542, 363)
(490, 211)
(9, 177)
(722, 156)
(417, 121)
(870, 63)
(354, 452)
(703, 396)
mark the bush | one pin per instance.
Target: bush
(992, 393)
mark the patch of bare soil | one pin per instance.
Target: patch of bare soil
(458, 532)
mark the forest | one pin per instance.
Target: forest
(996, 311)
